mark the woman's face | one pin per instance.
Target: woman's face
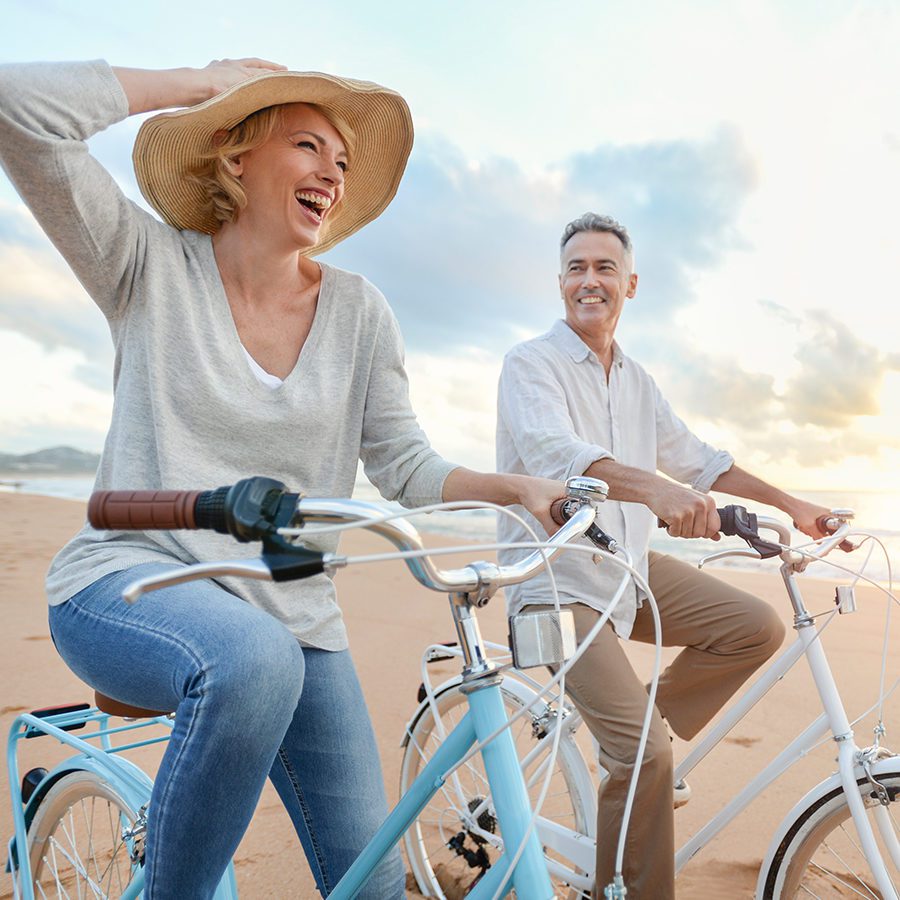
(294, 180)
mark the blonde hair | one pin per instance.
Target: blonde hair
(223, 191)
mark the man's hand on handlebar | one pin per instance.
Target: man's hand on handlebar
(686, 513)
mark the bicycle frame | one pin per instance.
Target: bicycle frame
(511, 803)
(486, 715)
(130, 781)
(833, 719)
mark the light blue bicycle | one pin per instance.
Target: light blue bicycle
(79, 828)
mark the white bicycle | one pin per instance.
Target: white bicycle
(840, 839)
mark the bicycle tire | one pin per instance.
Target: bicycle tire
(75, 842)
(441, 871)
(820, 853)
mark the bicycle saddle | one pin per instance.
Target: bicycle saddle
(125, 710)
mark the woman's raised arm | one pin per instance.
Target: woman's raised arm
(151, 89)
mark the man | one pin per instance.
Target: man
(571, 403)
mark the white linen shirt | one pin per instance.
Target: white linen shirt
(557, 413)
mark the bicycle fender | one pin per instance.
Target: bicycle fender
(525, 694)
(135, 794)
(440, 689)
(814, 796)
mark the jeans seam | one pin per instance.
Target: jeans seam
(307, 818)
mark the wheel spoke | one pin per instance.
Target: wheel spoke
(462, 810)
(824, 847)
(82, 850)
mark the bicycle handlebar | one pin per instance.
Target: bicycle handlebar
(257, 508)
(245, 510)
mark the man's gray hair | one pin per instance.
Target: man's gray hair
(593, 222)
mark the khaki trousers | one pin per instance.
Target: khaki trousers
(727, 634)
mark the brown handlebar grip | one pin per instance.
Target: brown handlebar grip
(556, 511)
(142, 510)
(827, 524)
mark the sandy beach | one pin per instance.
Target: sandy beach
(390, 619)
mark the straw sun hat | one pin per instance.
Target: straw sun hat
(167, 147)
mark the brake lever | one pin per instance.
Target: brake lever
(721, 554)
(280, 561)
(738, 522)
(243, 568)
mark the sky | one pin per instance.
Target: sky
(752, 149)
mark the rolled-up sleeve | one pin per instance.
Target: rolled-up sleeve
(533, 416)
(681, 454)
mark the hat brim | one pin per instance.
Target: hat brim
(168, 147)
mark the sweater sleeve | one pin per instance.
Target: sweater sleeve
(47, 112)
(396, 455)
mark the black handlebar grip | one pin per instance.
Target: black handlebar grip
(559, 511)
(143, 510)
(726, 519)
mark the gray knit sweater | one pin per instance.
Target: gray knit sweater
(188, 412)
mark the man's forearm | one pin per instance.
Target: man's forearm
(687, 512)
(625, 482)
(740, 483)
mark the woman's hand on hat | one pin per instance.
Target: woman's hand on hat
(225, 73)
(148, 90)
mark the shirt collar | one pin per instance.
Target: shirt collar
(565, 338)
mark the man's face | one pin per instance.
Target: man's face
(595, 279)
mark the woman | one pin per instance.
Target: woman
(235, 353)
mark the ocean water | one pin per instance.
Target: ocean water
(877, 513)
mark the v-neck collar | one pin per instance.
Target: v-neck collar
(307, 351)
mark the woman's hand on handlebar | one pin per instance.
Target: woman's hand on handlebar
(535, 494)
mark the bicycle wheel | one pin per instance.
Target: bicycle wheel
(75, 842)
(821, 854)
(456, 837)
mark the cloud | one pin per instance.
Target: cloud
(840, 375)
(716, 389)
(44, 399)
(42, 300)
(455, 399)
(812, 417)
(467, 254)
(816, 447)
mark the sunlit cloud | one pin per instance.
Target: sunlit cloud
(840, 376)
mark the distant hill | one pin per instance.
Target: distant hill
(52, 461)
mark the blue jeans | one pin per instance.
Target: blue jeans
(250, 703)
